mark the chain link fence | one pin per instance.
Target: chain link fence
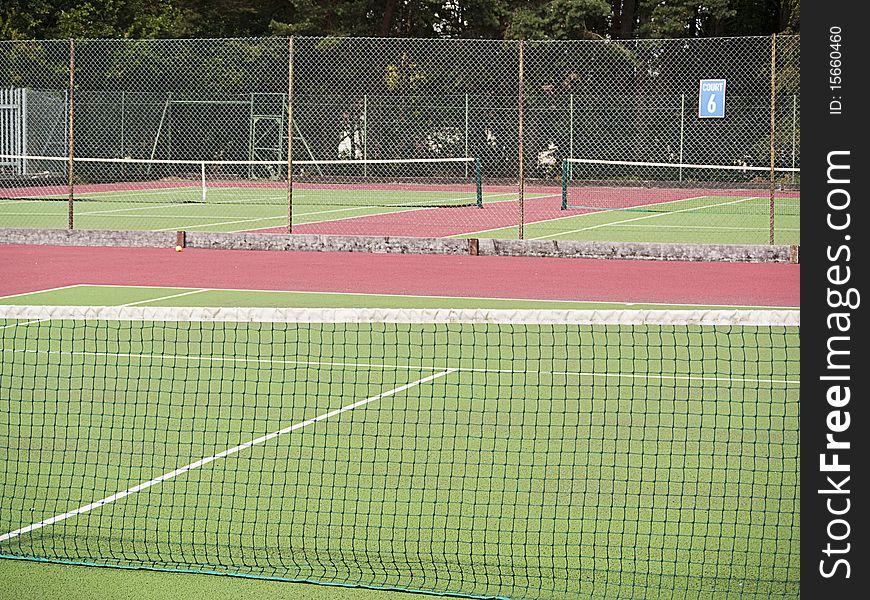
(416, 137)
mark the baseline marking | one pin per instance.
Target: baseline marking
(209, 459)
(46, 290)
(185, 293)
(662, 214)
(714, 227)
(673, 306)
(575, 216)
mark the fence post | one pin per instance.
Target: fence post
(682, 130)
(521, 183)
(123, 122)
(71, 134)
(290, 134)
(793, 132)
(21, 138)
(772, 134)
(566, 173)
(365, 135)
(570, 130)
(466, 134)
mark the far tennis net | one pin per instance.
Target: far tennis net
(672, 187)
(423, 182)
(482, 453)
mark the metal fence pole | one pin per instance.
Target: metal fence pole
(466, 134)
(22, 142)
(793, 133)
(570, 133)
(290, 134)
(521, 183)
(682, 130)
(70, 133)
(772, 134)
(365, 134)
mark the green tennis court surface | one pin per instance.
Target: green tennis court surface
(230, 211)
(480, 458)
(50, 581)
(697, 220)
(104, 295)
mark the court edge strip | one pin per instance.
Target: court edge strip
(735, 317)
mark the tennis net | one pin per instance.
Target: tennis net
(673, 187)
(424, 182)
(483, 453)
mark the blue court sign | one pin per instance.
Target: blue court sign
(711, 99)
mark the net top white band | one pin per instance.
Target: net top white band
(639, 164)
(244, 163)
(760, 318)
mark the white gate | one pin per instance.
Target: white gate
(13, 131)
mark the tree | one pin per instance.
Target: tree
(688, 18)
(623, 18)
(557, 19)
(694, 18)
(41, 19)
(23, 19)
(483, 19)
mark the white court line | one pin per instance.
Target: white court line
(714, 227)
(97, 196)
(10, 326)
(397, 210)
(157, 206)
(160, 206)
(185, 293)
(314, 363)
(576, 216)
(186, 227)
(209, 459)
(131, 209)
(89, 213)
(102, 196)
(469, 298)
(539, 197)
(317, 212)
(13, 202)
(175, 204)
(154, 216)
(54, 289)
(661, 214)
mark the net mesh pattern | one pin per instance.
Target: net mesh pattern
(483, 453)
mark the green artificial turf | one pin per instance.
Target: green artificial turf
(485, 460)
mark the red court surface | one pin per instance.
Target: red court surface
(32, 268)
(442, 222)
(502, 214)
